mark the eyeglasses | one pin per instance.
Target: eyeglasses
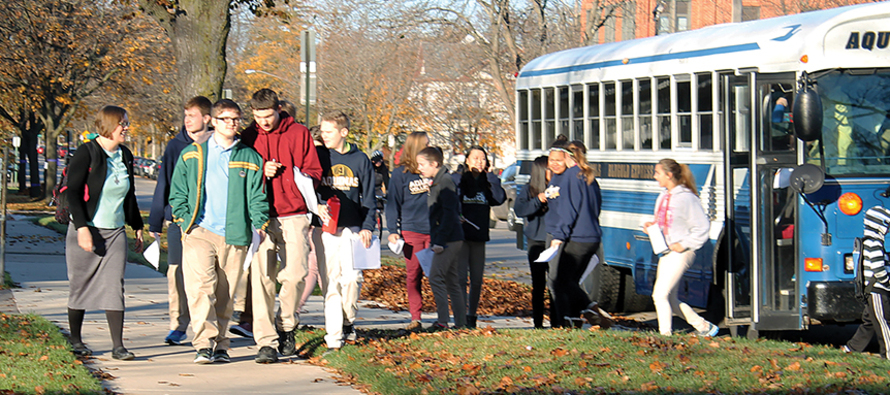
(124, 124)
(233, 121)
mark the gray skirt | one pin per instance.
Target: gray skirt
(96, 279)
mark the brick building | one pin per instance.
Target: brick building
(629, 19)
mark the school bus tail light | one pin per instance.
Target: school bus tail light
(813, 264)
(850, 203)
(804, 59)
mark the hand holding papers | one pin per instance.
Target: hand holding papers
(307, 189)
(425, 258)
(254, 246)
(396, 247)
(548, 254)
(152, 254)
(365, 258)
(656, 238)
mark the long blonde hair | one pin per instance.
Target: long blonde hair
(679, 173)
(579, 155)
(413, 145)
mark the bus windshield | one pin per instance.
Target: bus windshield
(856, 123)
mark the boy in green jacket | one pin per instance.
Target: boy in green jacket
(217, 226)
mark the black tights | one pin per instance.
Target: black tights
(539, 272)
(115, 326)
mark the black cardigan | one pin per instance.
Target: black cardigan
(80, 176)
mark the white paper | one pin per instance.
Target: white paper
(656, 238)
(594, 260)
(548, 254)
(252, 249)
(425, 258)
(152, 254)
(365, 258)
(396, 247)
(307, 189)
(471, 224)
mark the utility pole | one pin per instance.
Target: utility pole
(307, 67)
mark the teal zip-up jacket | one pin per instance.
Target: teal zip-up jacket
(246, 200)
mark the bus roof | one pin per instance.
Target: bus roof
(846, 37)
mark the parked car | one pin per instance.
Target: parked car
(156, 170)
(137, 166)
(512, 179)
(150, 168)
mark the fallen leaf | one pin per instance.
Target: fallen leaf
(794, 366)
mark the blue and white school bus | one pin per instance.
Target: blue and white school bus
(719, 99)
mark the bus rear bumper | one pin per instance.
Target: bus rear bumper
(833, 302)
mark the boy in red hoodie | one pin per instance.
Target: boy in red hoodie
(283, 144)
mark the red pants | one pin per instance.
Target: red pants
(414, 242)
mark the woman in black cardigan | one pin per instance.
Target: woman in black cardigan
(101, 199)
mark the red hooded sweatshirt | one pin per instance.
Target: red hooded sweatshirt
(291, 145)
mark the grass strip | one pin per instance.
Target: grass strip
(36, 359)
(591, 361)
(7, 282)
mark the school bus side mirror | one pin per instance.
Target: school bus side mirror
(807, 113)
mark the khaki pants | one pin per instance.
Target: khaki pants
(176, 299)
(211, 272)
(287, 238)
(342, 284)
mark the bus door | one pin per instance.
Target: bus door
(773, 227)
(737, 230)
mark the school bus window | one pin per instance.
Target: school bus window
(684, 111)
(663, 104)
(610, 120)
(645, 112)
(593, 109)
(627, 115)
(705, 114)
(564, 110)
(537, 129)
(549, 116)
(523, 119)
(577, 130)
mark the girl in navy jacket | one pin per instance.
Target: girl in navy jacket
(408, 218)
(531, 203)
(572, 220)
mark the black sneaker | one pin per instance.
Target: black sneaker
(122, 354)
(287, 345)
(349, 333)
(266, 355)
(203, 356)
(471, 321)
(220, 356)
(80, 350)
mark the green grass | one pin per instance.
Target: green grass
(575, 361)
(7, 281)
(36, 359)
(132, 256)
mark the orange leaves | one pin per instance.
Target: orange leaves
(657, 367)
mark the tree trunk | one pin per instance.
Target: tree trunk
(198, 30)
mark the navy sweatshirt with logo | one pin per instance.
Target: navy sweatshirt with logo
(574, 208)
(477, 195)
(350, 177)
(406, 203)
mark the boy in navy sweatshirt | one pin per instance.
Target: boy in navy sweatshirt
(446, 238)
(349, 176)
(195, 129)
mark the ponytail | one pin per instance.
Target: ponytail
(681, 173)
(579, 155)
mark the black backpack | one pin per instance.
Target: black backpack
(60, 192)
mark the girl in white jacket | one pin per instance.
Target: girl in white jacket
(679, 214)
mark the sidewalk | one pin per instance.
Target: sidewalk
(36, 260)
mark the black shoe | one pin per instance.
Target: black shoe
(122, 354)
(203, 356)
(287, 345)
(471, 321)
(221, 356)
(266, 355)
(81, 350)
(349, 333)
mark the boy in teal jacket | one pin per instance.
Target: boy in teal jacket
(217, 196)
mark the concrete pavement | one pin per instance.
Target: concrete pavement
(36, 260)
